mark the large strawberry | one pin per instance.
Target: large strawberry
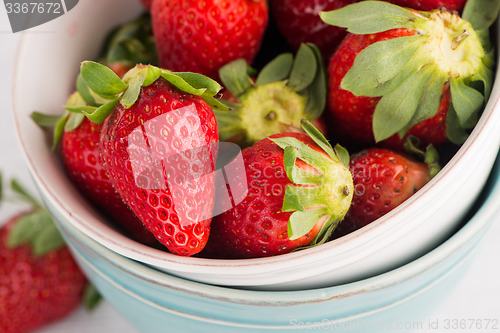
(202, 36)
(158, 145)
(284, 92)
(299, 188)
(40, 281)
(299, 22)
(404, 72)
(383, 179)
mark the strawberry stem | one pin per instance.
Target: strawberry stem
(459, 39)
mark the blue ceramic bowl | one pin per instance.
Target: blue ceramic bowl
(154, 301)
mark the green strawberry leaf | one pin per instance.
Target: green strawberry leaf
(74, 120)
(84, 90)
(317, 90)
(135, 84)
(396, 109)
(294, 173)
(319, 139)
(152, 74)
(102, 80)
(199, 81)
(466, 101)
(481, 13)
(44, 120)
(235, 78)
(48, 239)
(59, 129)
(291, 201)
(101, 113)
(301, 223)
(304, 152)
(304, 69)
(379, 63)
(342, 155)
(456, 133)
(277, 69)
(23, 194)
(369, 17)
(91, 297)
(180, 83)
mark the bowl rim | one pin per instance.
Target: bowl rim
(121, 244)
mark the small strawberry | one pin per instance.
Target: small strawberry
(40, 282)
(158, 145)
(403, 72)
(456, 5)
(285, 91)
(383, 179)
(299, 22)
(202, 36)
(299, 188)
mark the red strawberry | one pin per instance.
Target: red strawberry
(202, 36)
(40, 281)
(383, 179)
(411, 73)
(298, 191)
(299, 22)
(457, 5)
(285, 91)
(156, 145)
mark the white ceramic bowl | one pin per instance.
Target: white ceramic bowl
(47, 64)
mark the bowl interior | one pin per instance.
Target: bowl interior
(63, 43)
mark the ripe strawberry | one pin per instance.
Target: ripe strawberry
(411, 73)
(457, 5)
(284, 92)
(299, 22)
(202, 36)
(298, 190)
(383, 179)
(156, 145)
(40, 281)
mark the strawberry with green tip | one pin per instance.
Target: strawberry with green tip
(299, 189)
(383, 179)
(202, 36)
(40, 281)
(158, 145)
(284, 92)
(402, 72)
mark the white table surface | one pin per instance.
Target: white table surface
(476, 297)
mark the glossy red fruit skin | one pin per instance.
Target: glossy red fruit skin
(350, 117)
(36, 291)
(81, 159)
(156, 148)
(382, 179)
(426, 5)
(257, 227)
(202, 36)
(299, 22)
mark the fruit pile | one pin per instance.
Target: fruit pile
(149, 135)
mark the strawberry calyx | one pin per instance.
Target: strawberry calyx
(323, 186)
(35, 227)
(430, 156)
(408, 73)
(100, 80)
(285, 91)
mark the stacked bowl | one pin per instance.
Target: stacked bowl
(360, 282)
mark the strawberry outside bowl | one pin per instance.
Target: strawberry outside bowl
(47, 64)
(398, 300)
